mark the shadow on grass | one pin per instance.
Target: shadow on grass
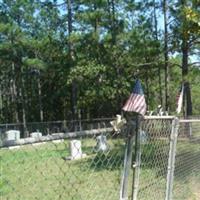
(110, 161)
(155, 157)
(187, 164)
(187, 161)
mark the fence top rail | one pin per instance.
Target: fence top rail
(66, 121)
(159, 117)
(189, 120)
(57, 136)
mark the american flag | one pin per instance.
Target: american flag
(136, 101)
(179, 99)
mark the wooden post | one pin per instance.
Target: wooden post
(137, 161)
(127, 160)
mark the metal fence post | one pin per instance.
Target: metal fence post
(136, 165)
(171, 159)
(127, 161)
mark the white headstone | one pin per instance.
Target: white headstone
(75, 150)
(36, 134)
(101, 143)
(12, 135)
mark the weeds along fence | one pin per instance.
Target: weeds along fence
(86, 160)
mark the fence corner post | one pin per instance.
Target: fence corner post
(171, 158)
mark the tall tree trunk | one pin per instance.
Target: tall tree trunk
(6, 108)
(167, 74)
(14, 95)
(147, 89)
(160, 86)
(69, 20)
(96, 20)
(23, 105)
(113, 22)
(156, 37)
(187, 91)
(111, 11)
(187, 109)
(185, 53)
(71, 60)
(187, 105)
(155, 20)
(40, 99)
(1, 104)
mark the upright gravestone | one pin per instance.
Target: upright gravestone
(75, 150)
(36, 134)
(101, 145)
(11, 136)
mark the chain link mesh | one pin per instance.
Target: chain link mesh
(47, 170)
(155, 145)
(56, 167)
(187, 165)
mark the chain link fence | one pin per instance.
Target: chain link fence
(87, 160)
(84, 164)
(55, 127)
(187, 163)
(154, 150)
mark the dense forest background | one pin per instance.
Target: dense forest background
(79, 58)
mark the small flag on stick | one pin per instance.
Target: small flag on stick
(136, 101)
(180, 99)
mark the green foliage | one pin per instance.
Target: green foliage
(34, 63)
(111, 43)
(97, 86)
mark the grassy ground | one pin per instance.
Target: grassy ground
(187, 170)
(186, 174)
(40, 172)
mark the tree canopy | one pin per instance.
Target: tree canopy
(71, 59)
